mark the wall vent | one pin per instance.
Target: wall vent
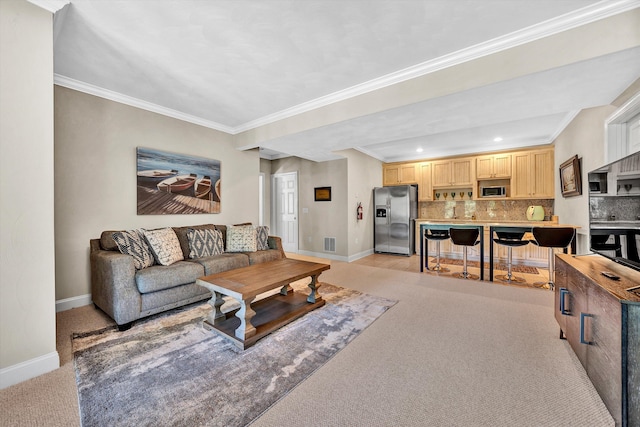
(329, 244)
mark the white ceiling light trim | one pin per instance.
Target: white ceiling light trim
(90, 89)
(589, 14)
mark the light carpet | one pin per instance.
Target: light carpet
(169, 370)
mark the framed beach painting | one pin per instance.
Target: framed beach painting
(171, 183)
(570, 180)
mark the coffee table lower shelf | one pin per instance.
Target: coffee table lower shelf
(271, 313)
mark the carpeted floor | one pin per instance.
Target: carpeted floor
(169, 370)
(450, 353)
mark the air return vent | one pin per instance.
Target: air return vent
(329, 244)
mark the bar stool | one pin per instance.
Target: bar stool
(437, 236)
(511, 240)
(599, 242)
(465, 237)
(552, 237)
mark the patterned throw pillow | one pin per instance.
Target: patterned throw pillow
(131, 242)
(241, 239)
(204, 243)
(262, 237)
(164, 245)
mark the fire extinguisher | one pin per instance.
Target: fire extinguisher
(359, 211)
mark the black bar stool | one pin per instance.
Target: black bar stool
(511, 240)
(599, 242)
(465, 237)
(437, 236)
(552, 237)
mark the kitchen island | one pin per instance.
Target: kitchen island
(487, 230)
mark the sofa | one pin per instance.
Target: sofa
(128, 286)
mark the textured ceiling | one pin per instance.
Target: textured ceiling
(239, 65)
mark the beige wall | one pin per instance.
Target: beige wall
(27, 301)
(363, 174)
(352, 180)
(95, 176)
(584, 136)
(324, 219)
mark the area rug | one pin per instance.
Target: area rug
(497, 266)
(170, 370)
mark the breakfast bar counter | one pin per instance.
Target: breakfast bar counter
(482, 225)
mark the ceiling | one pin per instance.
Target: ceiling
(309, 78)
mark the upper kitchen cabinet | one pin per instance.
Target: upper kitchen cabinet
(533, 175)
(453, 173)
(425, 189)
(400, 173)
(496, 166)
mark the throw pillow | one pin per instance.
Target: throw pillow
(241, 239)
(131, 242)
(262, 237)
(204, 243)
(164, 245)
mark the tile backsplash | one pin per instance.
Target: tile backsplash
(484, 210)
(624, 208)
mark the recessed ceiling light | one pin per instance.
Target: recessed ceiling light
(497, 139)
(419, 150)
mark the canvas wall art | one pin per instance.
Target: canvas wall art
(171, 183)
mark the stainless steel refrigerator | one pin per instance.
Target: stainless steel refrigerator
(396, 209)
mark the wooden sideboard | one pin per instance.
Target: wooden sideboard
(601, 322)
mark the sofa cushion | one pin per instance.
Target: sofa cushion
(161, 277)
(204, 243)
(165, 245)
(106, 240)
(241, 239)
(132, 243)
(223, 262)
(263, 256)
(181, 232)
(262, 237)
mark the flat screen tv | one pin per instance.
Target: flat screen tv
(614, 211)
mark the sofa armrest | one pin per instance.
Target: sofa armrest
(275, 242)
(113, 285)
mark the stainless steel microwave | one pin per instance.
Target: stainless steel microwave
(494, 191)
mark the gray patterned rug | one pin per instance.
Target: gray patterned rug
(169, 370)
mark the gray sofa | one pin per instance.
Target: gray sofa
(127, 294)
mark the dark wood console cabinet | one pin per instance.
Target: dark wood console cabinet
(601, 322)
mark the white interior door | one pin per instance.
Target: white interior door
(285, 194)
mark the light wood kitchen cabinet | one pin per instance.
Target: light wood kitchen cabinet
(425, 189)
(495, 166)
(532, 175)
(453, 173)
(400, 173)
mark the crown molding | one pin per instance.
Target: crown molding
(51, 5)
(586, 15)
(90, 89)
(568, 118)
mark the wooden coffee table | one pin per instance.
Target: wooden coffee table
(253, 321)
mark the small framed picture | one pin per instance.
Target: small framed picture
(570, 181)
(322, 194)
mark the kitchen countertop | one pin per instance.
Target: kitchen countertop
(627, 225)
(494, 223)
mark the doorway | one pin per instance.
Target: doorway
(285, 209)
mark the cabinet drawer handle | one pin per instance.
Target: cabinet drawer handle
(563, 308)
(582, 339)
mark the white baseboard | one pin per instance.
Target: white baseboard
(69, 303)
(360, 255)
(29, 369)
(324, 255)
